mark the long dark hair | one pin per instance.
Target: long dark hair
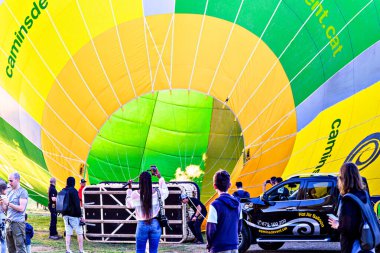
(349, 179)
(145, 184)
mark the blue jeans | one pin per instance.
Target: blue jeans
(28, 248)
(145, 232)
(3, 245)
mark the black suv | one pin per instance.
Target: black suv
(294, 210)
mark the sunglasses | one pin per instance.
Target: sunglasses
(10, 181)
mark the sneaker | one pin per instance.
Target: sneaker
(54, 237)
(198, 242)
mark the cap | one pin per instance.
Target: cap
(83, 180)
(184, 196)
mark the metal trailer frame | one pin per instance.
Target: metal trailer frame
(117, 192)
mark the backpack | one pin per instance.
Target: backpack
(63, 201)
(370, 227)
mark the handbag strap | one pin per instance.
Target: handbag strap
(162, 211)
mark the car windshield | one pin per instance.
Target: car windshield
(285, 191)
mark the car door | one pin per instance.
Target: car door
(317, 200)
(281, 205)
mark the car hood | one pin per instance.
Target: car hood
(257, 201)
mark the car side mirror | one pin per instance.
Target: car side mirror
(264, 198)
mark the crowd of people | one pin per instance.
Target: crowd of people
(16, 232)
(224, 216)
(72, 217)
(222, 233)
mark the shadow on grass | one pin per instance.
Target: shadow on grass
(40, 220)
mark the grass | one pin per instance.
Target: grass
(39, 218)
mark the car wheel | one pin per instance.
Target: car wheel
(270, 245)
(244, 239)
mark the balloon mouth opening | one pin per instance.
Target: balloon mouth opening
(187, 134)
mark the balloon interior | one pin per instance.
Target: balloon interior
(258, 88)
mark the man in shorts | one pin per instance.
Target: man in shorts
(73, 216)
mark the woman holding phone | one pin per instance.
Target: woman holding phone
(145, 201)
(349, 220)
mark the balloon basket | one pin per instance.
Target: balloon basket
(108, 219)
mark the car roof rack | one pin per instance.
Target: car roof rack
(314, 175)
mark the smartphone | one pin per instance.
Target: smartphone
(332, 216)
(153, 169)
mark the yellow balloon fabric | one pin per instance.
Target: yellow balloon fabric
(299, 77)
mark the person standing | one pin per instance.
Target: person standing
(80, 191)
(52, 209)
(350, 216)
(240, 193)
(197, 218)
(29, 232)
(3, 188)
(145, 201)
(14, 204)
(73, 217)
(225, 218)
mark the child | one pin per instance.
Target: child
(224, 221)
(29, 232)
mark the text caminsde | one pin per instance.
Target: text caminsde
(22, 33)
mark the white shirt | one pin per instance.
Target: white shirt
(133, 200)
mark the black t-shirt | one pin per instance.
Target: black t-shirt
(52, 193)
(74, 203)
(350, 220)
(194, 202)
